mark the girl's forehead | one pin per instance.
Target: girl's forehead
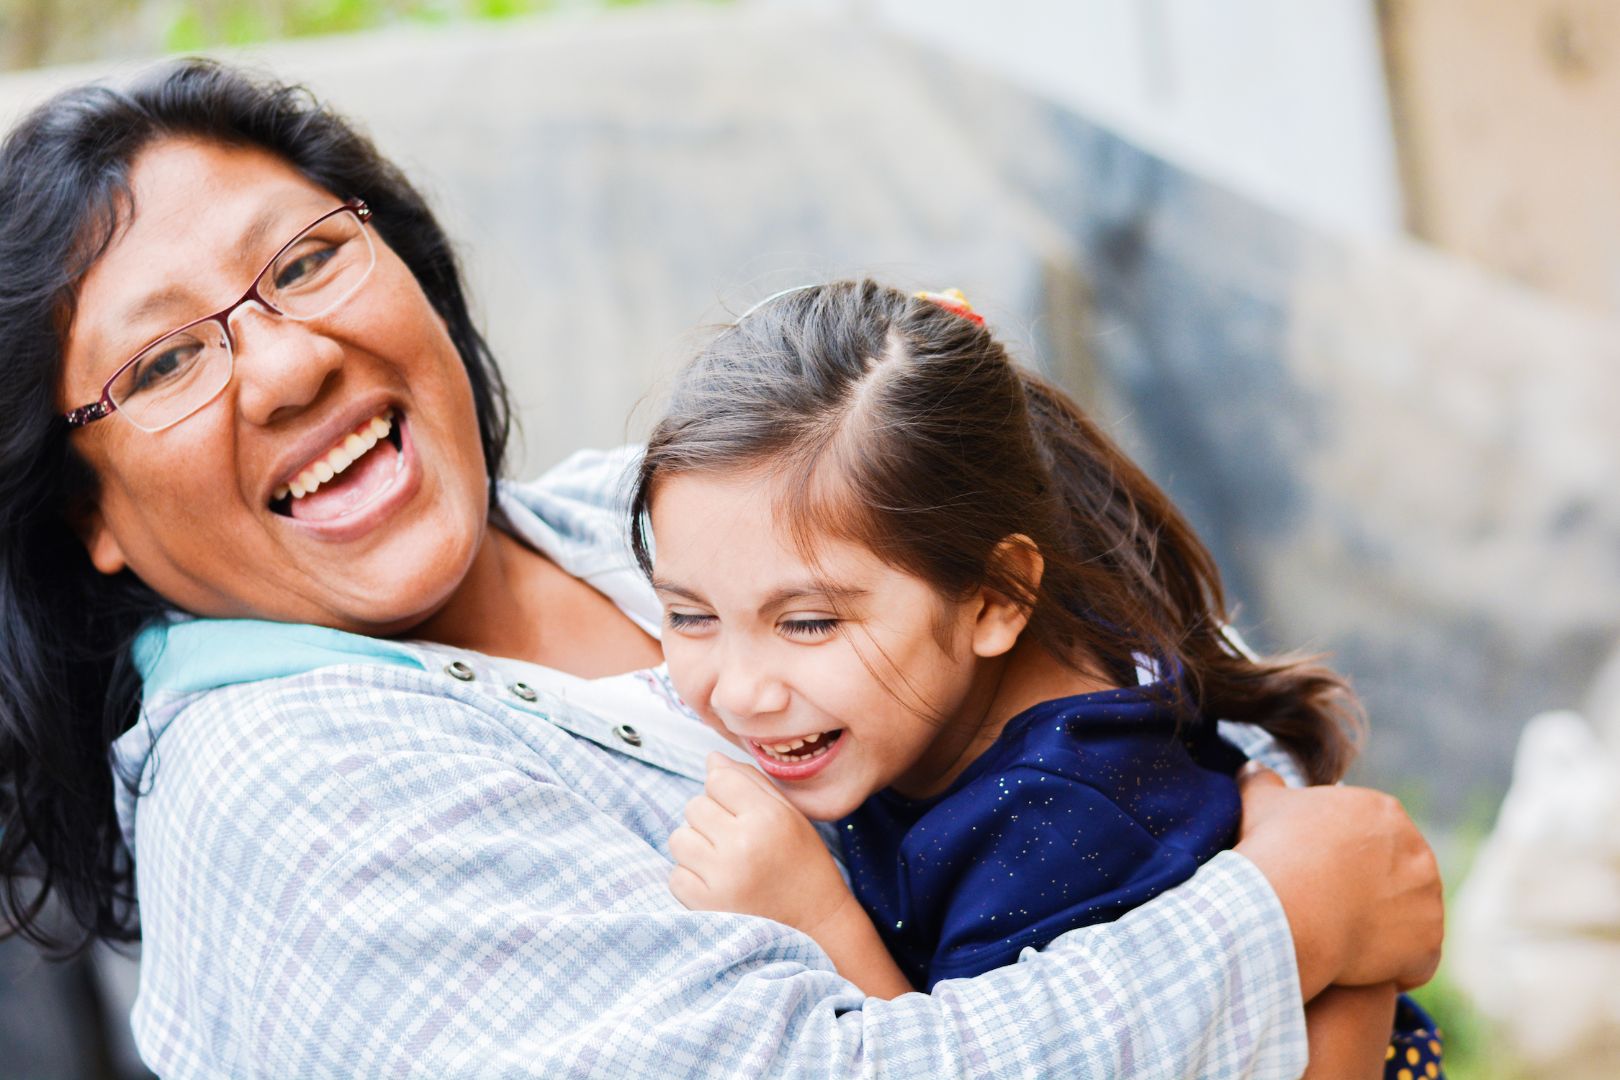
(730, 532)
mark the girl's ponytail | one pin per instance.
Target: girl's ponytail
(1181, 607)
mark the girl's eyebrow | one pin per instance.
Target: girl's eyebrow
(820, 590)
(838, 594)
(661, 585)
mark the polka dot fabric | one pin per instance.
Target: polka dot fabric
(1415, 1051)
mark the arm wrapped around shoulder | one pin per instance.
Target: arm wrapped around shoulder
(1358, 882)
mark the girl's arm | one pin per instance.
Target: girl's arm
(1349, 1032)
(747, 850)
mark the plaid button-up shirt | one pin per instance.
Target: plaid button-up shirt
(355, 861)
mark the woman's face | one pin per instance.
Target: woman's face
(190, 509)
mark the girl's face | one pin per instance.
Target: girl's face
(192, 509)
(841, 677)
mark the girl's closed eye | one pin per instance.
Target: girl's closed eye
(687, 622)
(808, 628)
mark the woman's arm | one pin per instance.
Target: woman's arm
(1358, 882)
(330, 888)
(338, 879)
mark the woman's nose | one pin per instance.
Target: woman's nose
(280, 364)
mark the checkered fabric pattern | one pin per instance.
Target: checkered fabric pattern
(384, 869)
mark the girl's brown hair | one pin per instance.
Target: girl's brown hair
(903, 426)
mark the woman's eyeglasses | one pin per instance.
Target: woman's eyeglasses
(185, 369)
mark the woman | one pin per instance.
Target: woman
(393, 766)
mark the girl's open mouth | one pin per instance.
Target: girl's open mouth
(798, 758)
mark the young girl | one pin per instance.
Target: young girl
(939, 608)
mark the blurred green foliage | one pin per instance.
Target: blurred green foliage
(200, 25)
(35, 32)
(1473, 1051)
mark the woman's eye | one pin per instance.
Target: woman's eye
(155, 370)
(807, 628)
(681, 620)
(303, 269)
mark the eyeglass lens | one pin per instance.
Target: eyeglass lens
(173, 378)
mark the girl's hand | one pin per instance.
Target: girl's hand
(1356, 879)
(745, 848)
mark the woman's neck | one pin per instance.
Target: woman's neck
(515, 602)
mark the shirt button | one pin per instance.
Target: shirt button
(524, 691)
(457, 670)
(629, 734)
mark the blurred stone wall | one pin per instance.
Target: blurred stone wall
(1396, 458)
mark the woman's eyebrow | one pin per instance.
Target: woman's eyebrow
(152, 303)
(253, 240)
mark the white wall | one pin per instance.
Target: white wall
(1281, 99)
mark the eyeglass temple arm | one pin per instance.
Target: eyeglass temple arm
(85, 414)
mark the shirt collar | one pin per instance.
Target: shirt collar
(184, 655)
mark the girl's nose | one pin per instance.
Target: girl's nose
(745, 689)
(280, 365)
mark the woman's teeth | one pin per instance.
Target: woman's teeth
(793, 750)
(340, 457)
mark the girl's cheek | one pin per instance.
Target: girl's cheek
(686, 673)
(684, 667)
(715, 723)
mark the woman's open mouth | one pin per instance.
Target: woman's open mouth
(798, 758)
(355, 483)
(354, 472)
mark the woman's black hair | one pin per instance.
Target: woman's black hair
(67, 685)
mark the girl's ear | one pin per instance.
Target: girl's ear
(1001, 618)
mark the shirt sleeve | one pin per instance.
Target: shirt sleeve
(382, 901)
(509, 928)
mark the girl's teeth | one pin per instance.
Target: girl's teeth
(324, 471)
(788, 751)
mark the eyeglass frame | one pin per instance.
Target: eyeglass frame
(104, 406)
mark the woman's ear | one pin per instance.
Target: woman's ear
(1002, 618)
(106, 553)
